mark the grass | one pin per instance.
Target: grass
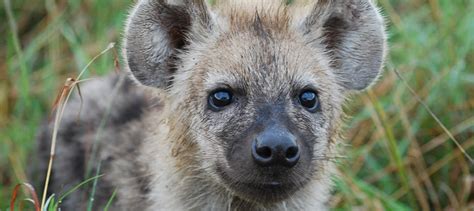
(398, 156)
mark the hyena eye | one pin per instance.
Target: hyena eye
(309, 99)
(219, 99)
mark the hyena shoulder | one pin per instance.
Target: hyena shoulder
(102, 125)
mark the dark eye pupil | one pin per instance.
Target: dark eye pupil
(220, 99)
(309, 99)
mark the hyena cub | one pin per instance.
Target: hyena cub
(240, 110)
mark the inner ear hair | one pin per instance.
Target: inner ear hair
(353, 34)
(156, 32)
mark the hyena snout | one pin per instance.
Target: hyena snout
(275, 147)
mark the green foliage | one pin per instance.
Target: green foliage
(397, 158)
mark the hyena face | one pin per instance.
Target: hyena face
(261, 110)
(256, 87)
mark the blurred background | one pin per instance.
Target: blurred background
(396, 155)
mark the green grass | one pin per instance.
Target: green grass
(398, 156)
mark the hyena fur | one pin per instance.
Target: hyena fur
(235, 106)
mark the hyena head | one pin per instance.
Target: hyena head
(256, 87)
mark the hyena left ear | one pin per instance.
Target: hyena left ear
(353, 34)
(157, 31)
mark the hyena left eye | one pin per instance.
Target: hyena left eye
(220, 99)
(309, 99)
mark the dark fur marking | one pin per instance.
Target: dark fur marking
(74, 145)
(334, 30)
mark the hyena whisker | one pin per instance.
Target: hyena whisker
(327, 158)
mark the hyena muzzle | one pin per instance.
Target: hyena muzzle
(239, 106)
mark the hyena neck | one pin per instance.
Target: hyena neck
(178, 182)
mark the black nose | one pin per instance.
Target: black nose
(275, 147)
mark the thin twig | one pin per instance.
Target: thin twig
(459, 146)
(62, 101)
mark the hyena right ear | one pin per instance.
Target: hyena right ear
(353, 34)
(156, 31)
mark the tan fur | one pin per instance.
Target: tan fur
(267, 53)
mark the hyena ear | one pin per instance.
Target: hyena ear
(353, 34)
(156, 33)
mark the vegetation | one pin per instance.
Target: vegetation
(397, 155)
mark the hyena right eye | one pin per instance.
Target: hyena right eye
(220, 99)
(309, 99)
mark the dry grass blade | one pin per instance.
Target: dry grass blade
(30, 189)
(445, 129)
(116, 62)
(437, 141)
(81, 99)
(68, 86)
(110, 46)
(60, 105)
(59, 112)
(435, 11)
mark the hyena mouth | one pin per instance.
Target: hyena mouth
(261, 188)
